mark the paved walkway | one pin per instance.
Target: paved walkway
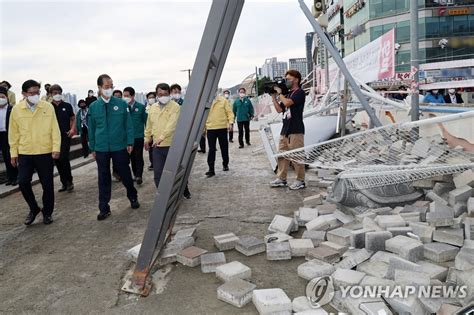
(76, 264)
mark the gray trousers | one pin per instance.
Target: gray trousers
(159, 159)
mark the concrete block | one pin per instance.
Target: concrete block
(316, 236)
(370, 224)
(184, 233)
(281, 224)
(295, 227)
(190, 256)
(233, 270)
(440, 215)
(343, 217)
(346, 277)
(278, 251)
(236, 292)
(423, 230)
(324, 254)
(337, 247)
(448, 309)
(440, 252)
(367, 214)
(469, 228)
(277, 238)
(410, 305)
(271, 301)
(470, 207)
(442, 188)
(382, 211)
(433, 270)
(400, 230)
(405, 247)
(312, 201)
(460, 208)
(341, 236)
(411, 216)
(431, 196)
(373, 268)
(461, 194)
(465, 178)
(306, 214)
(299, 247)
(465, 258)
(402, 264)
(421, 147)
(168, 256)
(327, 208)
(353, 259)
(386, 221)
(210, 261)
(406, 277)
(225, 241)
(314, 268)
(449, 236)
(375, 241)
(323, 223)
(375, 281)
(358, 238)
(250, 245)
(301, 303)
(382, 256)
(375, 308)
(181, 243)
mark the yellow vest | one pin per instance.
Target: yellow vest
(161, 123)
(11, 98)
(35, 132)
(220, 114)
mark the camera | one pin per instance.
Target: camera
(278, 81)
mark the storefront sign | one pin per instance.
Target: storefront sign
(460, 11)
(356, 7)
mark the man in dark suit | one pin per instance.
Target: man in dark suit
(453, 97)
(5, 110)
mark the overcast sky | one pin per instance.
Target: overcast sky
(138, 43)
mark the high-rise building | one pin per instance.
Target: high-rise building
(309, 51)
(273, 68)
(298, 64)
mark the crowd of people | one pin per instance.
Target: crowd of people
(36, 132)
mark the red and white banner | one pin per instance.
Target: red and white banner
(373, 62)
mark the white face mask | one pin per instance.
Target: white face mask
(107, 92)
(33, 99)
(452, 91)
(226, 96)
(151, 101)
(57, 97)
(435, 91)
(3, 101)
(176, 96)
(163, 100)
(127, 100)
(91, 94)
(242, 95)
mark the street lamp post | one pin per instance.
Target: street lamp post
(415, 88)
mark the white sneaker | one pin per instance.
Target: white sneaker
(298, 185)
(278, 183)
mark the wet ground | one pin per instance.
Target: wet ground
(76, 264)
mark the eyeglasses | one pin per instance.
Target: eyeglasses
(33, 93)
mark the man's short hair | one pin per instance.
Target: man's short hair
(7, 84)
(175, 86)
(130, 90)
(294, 73)
(242, 88)
(226, 91)
(101, 78)
(117, 91)
(80, 102)
(150, 93)
(29, 84)
(90, 91)
(55, 87)
(163, 86)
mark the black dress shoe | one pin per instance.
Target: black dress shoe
(8, 183)
(248, 143)
(231, 141)
(139, 181)
(150, 168)
(187, 194)
(241, 146)
(134, 204)
(31, 217)
(63, 188)
(47, 220)
(14, 182)
(226, 168)
(102, 216)
(70, 187)
(210, 173)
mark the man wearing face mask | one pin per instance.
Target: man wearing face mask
(48, 97)
(90, 97)
(5, 112)
(11, 95)
(111, 137)
(176, 94)
(139, 116)
(151, 99)
(433, 97)
(453, 97)
(292, 132)
(67, 126)
(243, 112)
(231, 131)
(35, 140)
(81, 126)
(160, 128)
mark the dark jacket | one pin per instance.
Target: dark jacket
(9, 111)
(459, 100)
(90, 100)
(243, 109)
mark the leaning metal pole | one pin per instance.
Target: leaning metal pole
(415, 87)
(340, 63)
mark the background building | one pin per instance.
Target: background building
(299, 64)
(273, 68)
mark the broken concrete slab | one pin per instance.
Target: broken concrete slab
(449, 236)
(386, 221)
(373, 268)
(341, 216)
(465, 258)
(299, 247)
(382, 256)
(236, 292)
(133, 252)
(316, 236)
(277, 238)
(375, 241)
(400, 230)
(406, 305)
(469, 228)
(346, 277)
(461, 194)
(337, 247)
(181, 243)
(441, 188)
(278, 251)
(433, 270)
(407, 277)
(210, 261)
(327, 208)
(423, 230)
(465, 178)
(431, 196)
(314, 268)
(459, 209)
(250, 245)
(271, 301)
(440, 215)
(358, 238)
(411, 216)
(225, 241)
(341, 236)
(370, 224)
(313, 201)
(233, 270)
(402, 264)
(305, 215)
(354, 258)
(406, 247)
(324, 254)
(440, 252)
(301, 303)
(190, 256)
(184, 233)
(323, 223)
(281, 224)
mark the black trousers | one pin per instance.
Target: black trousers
(85, 141)
(120, 160)
(231, 135)
(202, 143)
(159, 158)
(136, 157)
(244, 125)
(212, 137)
(150, 155)
(12, 172)
(63, 164)
(44, 166)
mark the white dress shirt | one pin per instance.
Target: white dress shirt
(3, 118)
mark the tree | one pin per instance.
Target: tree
(261, 83)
